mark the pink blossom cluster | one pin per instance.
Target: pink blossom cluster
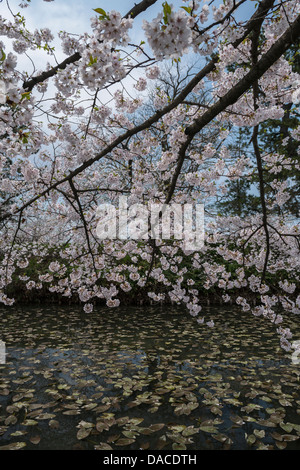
(170, 40)
(114, 120)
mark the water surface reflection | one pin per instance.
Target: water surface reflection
(138, 378)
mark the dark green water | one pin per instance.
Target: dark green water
(145, 378)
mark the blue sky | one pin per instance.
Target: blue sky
(74, 16)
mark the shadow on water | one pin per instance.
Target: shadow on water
(145, 378)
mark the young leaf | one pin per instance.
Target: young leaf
(100, 11)
(187, 9)
(167, 11)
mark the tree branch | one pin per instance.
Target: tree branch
(139, 8)
(256, 72)
(28, 85)
(267, 60)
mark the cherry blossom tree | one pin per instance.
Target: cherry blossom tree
(104, 122)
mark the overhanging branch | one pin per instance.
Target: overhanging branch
(257, 71)
(28, 85)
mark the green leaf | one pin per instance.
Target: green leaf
(46, 416)
(92, 61)
(167, 12)
(220, 437)
(13, 446)
(10, 420)
(251, 439)
(285, 402)
(156, 427)
(209, 429)
(187, 9)
(29, 422)
(177, 427)
(83, 433)
(237, 420)
(286, 427)
(124, 442)
(289, 437)
(259, 433)
(281, 445)
(176, 446)
(100, 11)
(130, 434)
(136, 421)
(103, 446)
(189, 431)
(18, 433)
